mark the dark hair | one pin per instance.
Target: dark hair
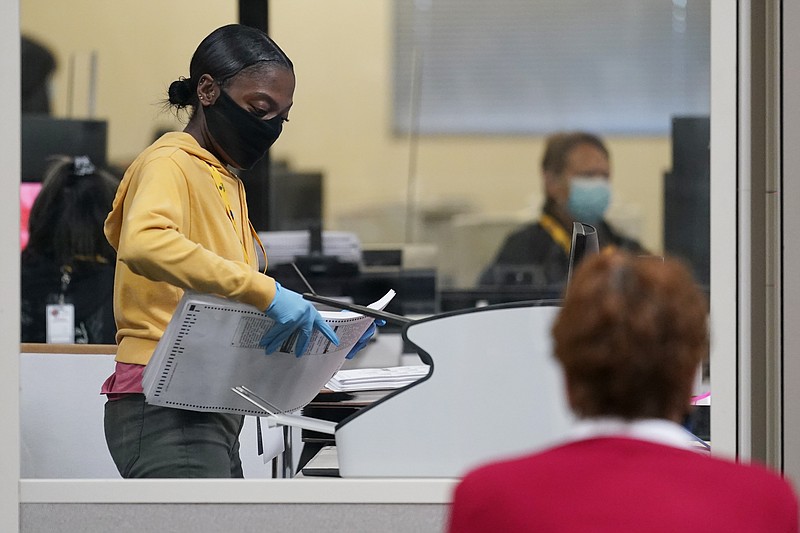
(560, 145)
(67, 217)
(223, 54)
(630, 336)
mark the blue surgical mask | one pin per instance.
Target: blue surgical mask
(589, 197)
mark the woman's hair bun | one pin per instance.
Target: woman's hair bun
(180, 92)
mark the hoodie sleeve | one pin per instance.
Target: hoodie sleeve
(154, 221)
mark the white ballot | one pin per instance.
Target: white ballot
(211, 345)
(363, 379)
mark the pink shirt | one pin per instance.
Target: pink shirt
(126, 379)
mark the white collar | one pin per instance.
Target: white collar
(658, 430)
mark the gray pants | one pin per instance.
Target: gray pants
(146, 441)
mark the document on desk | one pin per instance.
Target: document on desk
(364, 379)
(211, 345)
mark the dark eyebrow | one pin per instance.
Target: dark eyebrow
(263, 96)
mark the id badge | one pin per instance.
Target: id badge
(60, 324)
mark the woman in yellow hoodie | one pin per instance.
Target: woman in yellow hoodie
(180, 222)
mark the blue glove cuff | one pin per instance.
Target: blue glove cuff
(275, 298)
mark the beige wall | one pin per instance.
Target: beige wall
(141, 47)
(341, 122)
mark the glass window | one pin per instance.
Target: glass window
(516, 66)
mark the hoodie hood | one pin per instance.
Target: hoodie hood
(169, 227)
(173, 145)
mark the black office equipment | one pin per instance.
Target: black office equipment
(294, 201)
(687, 189)
(416, 289)
(44, 136)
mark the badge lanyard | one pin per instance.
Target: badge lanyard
(556, 232)
(224, 195)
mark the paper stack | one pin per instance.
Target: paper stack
(361, 379)
(285, 246)
(211, 345)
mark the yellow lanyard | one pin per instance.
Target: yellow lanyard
(556, 232)
(224, 195)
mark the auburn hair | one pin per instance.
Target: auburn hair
(630, 336)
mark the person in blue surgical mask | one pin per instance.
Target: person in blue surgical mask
(576, 172)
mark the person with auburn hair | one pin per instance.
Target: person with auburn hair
(576, 173)
(629, 338)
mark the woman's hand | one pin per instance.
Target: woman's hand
(362, 342)
(292, 313)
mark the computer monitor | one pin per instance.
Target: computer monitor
(294, 201)
(584, 243)
(44, 136)
(687, 192)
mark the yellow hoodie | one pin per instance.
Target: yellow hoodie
(171, 233)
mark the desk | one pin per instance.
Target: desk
(333, 406)
(324, 464)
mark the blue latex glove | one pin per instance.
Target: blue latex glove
(358, 346)
(292, 313)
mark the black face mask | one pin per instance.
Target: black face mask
(242, 136)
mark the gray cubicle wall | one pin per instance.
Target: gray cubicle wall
(242, 518)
